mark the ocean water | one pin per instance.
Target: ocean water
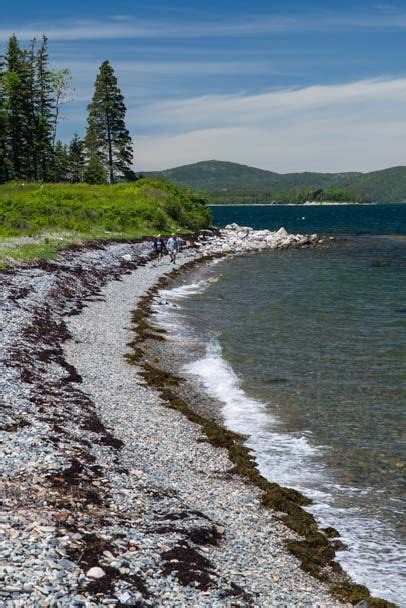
(328, 219)
(304, 351)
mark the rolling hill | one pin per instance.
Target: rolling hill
(223, 181)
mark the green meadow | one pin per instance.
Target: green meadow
(37, 220)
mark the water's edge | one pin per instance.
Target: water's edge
(317, 549)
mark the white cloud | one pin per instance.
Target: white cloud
(126, 27)
(357, 126)
(232, 110)
(173, 67)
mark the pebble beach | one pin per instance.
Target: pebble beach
(109, 497)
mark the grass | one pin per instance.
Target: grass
(37, 220)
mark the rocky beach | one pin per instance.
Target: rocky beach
(108, 496)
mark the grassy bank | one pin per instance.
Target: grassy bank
(36, 220)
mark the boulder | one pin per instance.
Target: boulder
(282, 233)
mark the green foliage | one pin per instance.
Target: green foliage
(266, 197)
(226, 182)
(59, 168)
(77, 160)
(31, 98)
(94, 172)
(26, 112)
(107, 137)
(43, 102)
(140, 207)
(4, 160)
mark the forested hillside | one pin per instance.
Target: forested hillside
(231, 182)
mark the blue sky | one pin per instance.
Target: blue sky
(280, 85)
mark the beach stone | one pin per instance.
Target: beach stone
(95, 572)
(66, 563)
(125, 597)
(282, 233)
(161, 490)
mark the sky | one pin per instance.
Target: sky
(282, 85)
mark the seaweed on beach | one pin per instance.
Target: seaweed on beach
(189, 566)
(315, 549)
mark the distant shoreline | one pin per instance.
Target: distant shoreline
(294, 204)
(303, 204)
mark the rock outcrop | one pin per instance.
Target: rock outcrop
(241, 239)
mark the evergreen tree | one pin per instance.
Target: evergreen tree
(30, 113)
(25, 140)
(4, 157)
(107, 138)
(16, 101)
(77, 160)
(95, 172)
(59, 166)
(45, 106)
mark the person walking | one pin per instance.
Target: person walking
(173, 247)
(159, 247)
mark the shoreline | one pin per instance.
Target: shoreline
(317, 546)
(293, 204)
(79, 495)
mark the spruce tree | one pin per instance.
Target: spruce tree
(107, 139)
(45, 106)
(59, 166)
(77, 160)
(95, 172)
(4, 156)
(30, 113)
(25, 140)
(16, 94)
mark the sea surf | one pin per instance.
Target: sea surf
(303, 352)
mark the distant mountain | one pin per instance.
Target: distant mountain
(224, 179)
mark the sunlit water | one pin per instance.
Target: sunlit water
(304, 351)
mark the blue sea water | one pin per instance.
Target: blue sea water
(304, 351)
(327, 219)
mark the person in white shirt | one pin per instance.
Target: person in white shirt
(172, 246)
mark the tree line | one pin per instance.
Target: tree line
(31, 99)
(297, 197)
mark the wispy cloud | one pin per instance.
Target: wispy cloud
(237, 109)
(173, 67)
(356, 126)
(126, 27)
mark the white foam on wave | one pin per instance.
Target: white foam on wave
(292, 460)
(184, 291)
(165, 306)
(243, 414)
